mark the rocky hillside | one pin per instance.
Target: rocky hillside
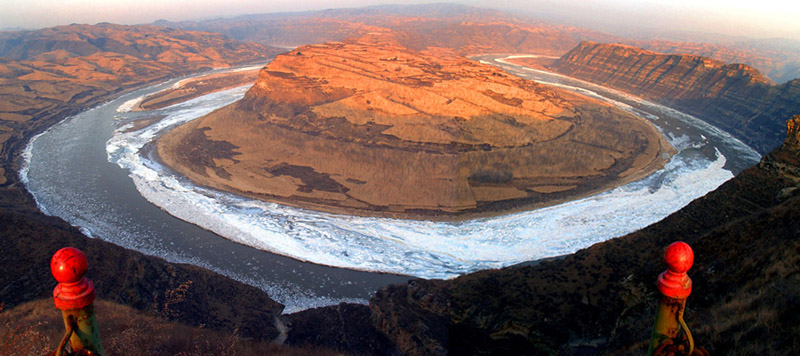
(35, 328)
(29, 240)
(734, 97)
(169, 47)
(390, 131)
(778, 59)
(62, 71)
(601, 300)
(48, 74)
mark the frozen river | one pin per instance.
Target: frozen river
(98, 174)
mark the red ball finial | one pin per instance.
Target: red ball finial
(674, 283)
(68, 265)
(74, 291)
(679, 257)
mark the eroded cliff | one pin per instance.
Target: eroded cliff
(734, 97)
(776, 58)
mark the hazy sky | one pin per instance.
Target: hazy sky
(766, 18)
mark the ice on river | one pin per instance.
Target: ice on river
(420, 248)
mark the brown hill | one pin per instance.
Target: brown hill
(734, 97)
(745, 276)
(777, 60)
(368, 126)
(47, 74)
(163, 45)
(35, 328)
(600, 300)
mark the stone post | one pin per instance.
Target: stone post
(74, 296)
(675, 286)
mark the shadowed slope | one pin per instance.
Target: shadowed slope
(734, 97)
(601, 300)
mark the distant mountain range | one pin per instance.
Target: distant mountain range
(473, 30)
(467, 29)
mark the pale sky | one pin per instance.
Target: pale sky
(758, 19)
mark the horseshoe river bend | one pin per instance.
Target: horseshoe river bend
(97, 171)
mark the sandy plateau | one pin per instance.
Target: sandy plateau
(369, 127)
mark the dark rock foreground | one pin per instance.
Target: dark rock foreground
(127, 277)
(601, 300)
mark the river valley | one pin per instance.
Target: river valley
(96, 171)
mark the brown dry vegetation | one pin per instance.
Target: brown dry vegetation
(36, 327)
(48, 74)
(72, 64)
(602, 299)
(370, 127)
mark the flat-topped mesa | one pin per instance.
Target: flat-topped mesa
(426, 97)
(369, 127)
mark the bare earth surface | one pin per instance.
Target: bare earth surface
(535, 62)
(195, 87)
(370, 127)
